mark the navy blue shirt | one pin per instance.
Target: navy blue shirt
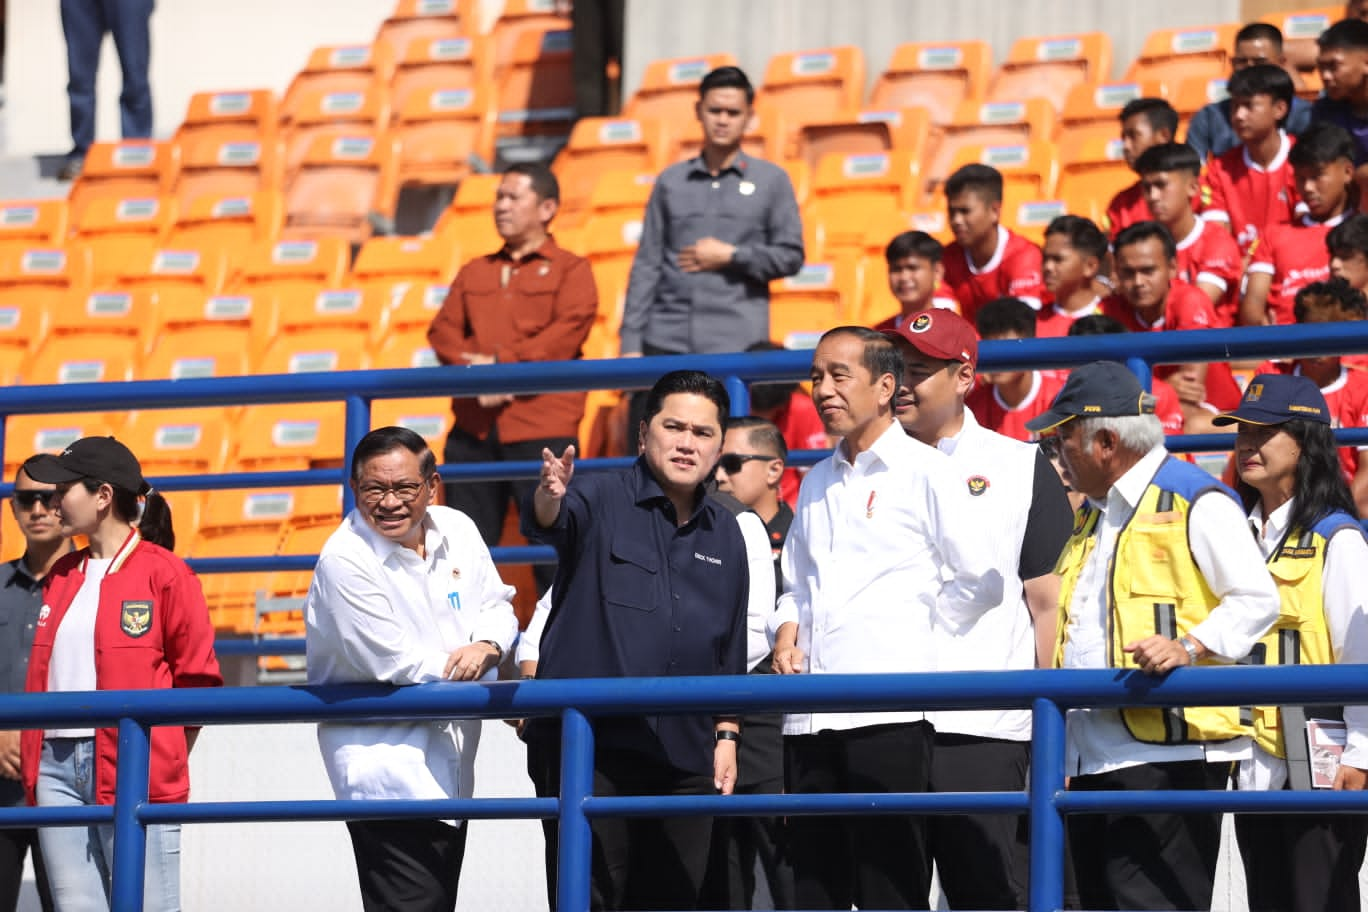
(21, 597)
(1327, 110)
(638, 595)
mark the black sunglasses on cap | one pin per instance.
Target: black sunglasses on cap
(27, 499)
(731, 463)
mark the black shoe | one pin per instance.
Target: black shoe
(71, 168)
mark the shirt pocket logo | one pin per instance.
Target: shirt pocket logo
(135, 618)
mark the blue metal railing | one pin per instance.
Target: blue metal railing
(1048, 693)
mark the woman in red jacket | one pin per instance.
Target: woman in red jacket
(124, 613)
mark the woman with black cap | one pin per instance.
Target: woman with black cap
(123, 613)
(1303, 517)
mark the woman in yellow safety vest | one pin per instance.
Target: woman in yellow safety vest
(1302, 514)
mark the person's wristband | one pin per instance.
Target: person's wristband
(727, 734)
(1191, 649)
(498, 650)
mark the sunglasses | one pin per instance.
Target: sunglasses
(731, 463)
(26, 499)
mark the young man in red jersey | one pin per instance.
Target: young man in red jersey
(916, 277)
(1074, 252)
(1293, 256)
(1005, 400)
(1347, 245)
(1345, 390)
(986, 260)
(1342, 61)
(1145, 122)
(1151, 298)
(1208, 257)
(1250, 188)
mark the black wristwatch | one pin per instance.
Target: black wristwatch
(727, 734)
(498, 650)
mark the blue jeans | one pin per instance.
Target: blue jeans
(79, 859)
(84, 23)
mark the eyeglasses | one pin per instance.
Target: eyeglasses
(26, 499)
(731, 463)
(404, 493)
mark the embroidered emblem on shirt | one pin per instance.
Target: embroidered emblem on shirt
(746, 188)
(977, 484)
(869, 505)
(455, 572)
(43, 615)
(135, 618)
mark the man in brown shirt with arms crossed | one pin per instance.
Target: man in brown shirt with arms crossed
(529, 301)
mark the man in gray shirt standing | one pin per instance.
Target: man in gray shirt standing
(718, 229)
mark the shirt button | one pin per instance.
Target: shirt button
(676, 597)
(717, 184)
(677, 628)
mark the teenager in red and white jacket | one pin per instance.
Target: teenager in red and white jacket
(123, 613)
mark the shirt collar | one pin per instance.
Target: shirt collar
(648, 490)
(543, 251)
(19, 569)
(969, 428)
(995, 260)
(1273, 531)
(1308, 222)
(884, 448)
(1130, 487)
(1192, 235)
(739, 164)
(1278, 160)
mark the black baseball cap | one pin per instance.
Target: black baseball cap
(1276, 398)
(1102, 389)
(101, 458)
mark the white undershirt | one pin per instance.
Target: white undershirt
(73, 647)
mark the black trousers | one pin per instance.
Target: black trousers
(408, 864)
(486, 502)
(738, 842)
(871, 862)
(1300, 862)
(983, 859)
(644, 864)
(13, 845)
(597, 37)
(1147, 861)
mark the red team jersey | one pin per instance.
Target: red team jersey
(1125, 209)
(802, 429)
(1186, 308)
(1295, 256)
(1251, 198)
(1009, 421)
(1209, 254)
(943, 298)
(1347, 397)
(1013, 272)
(1052, 322)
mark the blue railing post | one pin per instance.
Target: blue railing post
(739, 393)
(1143, 372)
(357, 426)
(1047, 824)
(130, 837)
(576, 784)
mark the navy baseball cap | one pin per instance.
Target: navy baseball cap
(1275, 398)
(1102, 389)
(101, 458)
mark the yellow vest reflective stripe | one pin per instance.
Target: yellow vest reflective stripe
(1155, 587)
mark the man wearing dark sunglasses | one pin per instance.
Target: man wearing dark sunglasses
(21, 598)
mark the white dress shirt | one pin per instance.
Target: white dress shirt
(1229, 561)
(1003, 637)
(377, 612)
(880, 549)
(1346, 614)
(529, 641)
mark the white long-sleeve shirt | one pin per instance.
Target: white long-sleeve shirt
(377, 612)
(880, 549)
(1230, 562)
(1346, 614)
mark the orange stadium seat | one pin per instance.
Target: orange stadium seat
(337, 69)
(1174, 54)
(328, 310)
(26, 435)
(516, 19)
(34, 282)
(800, 177)
(1033, 167)
(317, 514)
(1095, 110)
(340, 183)
(407, 348)
(333, 114)
(610, 243)
(86, 317)
(1029, 215)
(804, 87)
(134, 168)
(621, 191)
(289, 437)
(1300, 29)
(1050, 67)
(33, 223)
(601, 144)
(669, 87)
(416, 21)
(908, 130)
(386, 268)
(238, 523)
(22, 330)
(1193, 94)
(443, 135)
(313, 351)
(535, 97)
(440, 64)
(176, 274)
(251, 115)
(429, 418)
(416, 307)
(71, 359)
(228, 224)
(997, 123)
(213, 167)
(938, 75)
(1090, 175)
(116, 231)
(468, 223)
(180, 441)
(272, 271)
(850, 190)
(821, 295)
(221, 348)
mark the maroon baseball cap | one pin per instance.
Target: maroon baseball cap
(939, 333)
